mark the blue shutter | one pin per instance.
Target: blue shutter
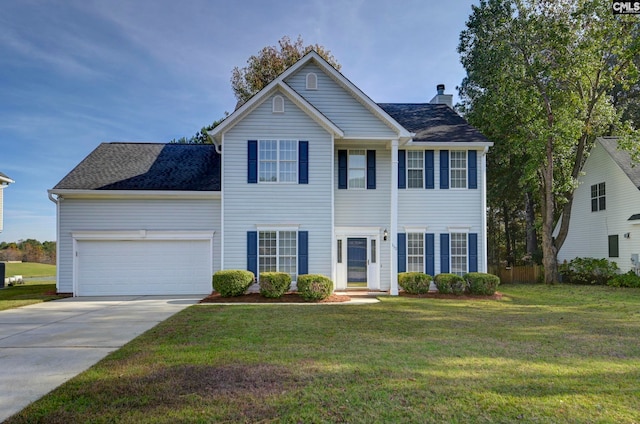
(402, 169)
(473, 252)
(342, 169)
(444, 253)
(252, 252)
(303, 252)
(444, 169)
(429, 171)
(402, 252)
(472, 168)
(252, 162)
(303, 162)
(371, 169)
(429, 250)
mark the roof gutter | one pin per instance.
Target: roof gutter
(130, 194)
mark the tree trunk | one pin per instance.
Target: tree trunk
(507, 234)
(549, 259)
(530, 219)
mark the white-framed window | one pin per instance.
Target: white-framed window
(459, 253)
(312, 81)
(278, 104)
(415, 169)
(415, 252)
(278, 161)
(277, 252)
(598, 197)
(458, 168)
(357, 170)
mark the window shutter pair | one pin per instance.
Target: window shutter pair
(472, 169)
(429, 174)
(472, 253)
(252, 162)
(303, 252)
(343, 170)
(429, 253)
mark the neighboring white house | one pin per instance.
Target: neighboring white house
(4, 182)
(605, 215)
(308, 176)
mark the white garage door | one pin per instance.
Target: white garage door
(143, 267)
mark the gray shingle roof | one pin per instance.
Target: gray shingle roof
(622, 158)
(147, 166)
(433, 122)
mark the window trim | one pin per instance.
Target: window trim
(350, 169)
(420, 154)
(464, 169)
(278, 161)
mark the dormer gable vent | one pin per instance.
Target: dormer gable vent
(312, 81)
(278, 104)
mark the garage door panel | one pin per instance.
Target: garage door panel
(138, 267)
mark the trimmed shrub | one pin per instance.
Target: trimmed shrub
(232, 282)
(314, 286)
(450, 284)
(588, 271)
(415, 282)
(481, 283)
(629, 279)
(274, 284)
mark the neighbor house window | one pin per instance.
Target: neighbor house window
(357, 168)
(459, 253)
(415, 252)
(458, 168)
(277, 252)
(278, 160)
(598, 199)
(415, 169)
(613, 246)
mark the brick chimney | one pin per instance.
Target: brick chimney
(441, 98)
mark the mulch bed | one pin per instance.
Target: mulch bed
(258, 298)
(334, 298)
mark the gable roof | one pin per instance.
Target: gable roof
(146, 166)
(622, 158)
(280, 83)
(5, 180)
(436, 123)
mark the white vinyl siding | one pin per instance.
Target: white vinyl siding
(589, 232)
(132, 215)
(305, 206)
(333, 101)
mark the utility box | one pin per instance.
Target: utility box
(1, 275)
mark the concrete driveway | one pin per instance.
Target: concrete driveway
(44, 345)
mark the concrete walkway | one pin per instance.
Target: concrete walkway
(44, 345)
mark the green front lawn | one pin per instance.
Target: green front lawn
(560, 354)
(39, 289)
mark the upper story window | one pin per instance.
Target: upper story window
(458, 168)
(357, 168)
(278, 104)
(312, 81)
(415, 169)
(598, 199)
(278, 160)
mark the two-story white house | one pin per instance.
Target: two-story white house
(308, 176)
(605, 215)
(4, 182)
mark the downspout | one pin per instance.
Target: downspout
(484, 211)
(393, 233)
(57, 201)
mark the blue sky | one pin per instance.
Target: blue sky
(76, 73)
